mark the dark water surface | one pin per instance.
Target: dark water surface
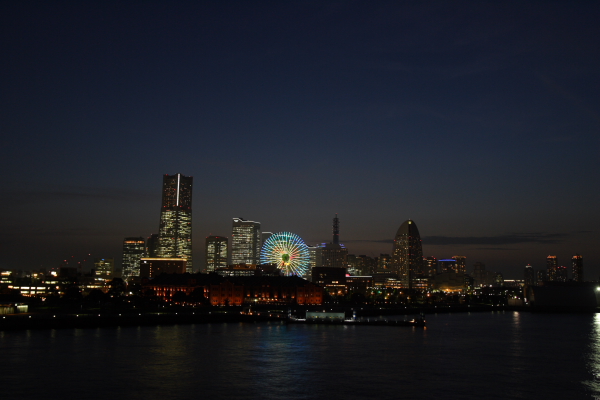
(504, 355)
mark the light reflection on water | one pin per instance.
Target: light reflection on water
(462, 356)
(593, 356)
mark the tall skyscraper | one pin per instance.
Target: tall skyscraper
(407, 254)
(529, 275)
(577, 267)
(551, 268)
(216, 253)
(461, 264)
(334, 254)
(245, 242)
(134, 248)
(175, 232)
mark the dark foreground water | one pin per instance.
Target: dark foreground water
(506, 355)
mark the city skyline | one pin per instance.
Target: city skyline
(476, 120)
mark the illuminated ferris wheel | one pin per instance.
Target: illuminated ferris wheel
(288, 251)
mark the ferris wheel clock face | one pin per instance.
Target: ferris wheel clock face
(288, 251)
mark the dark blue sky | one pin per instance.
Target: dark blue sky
(478, 120)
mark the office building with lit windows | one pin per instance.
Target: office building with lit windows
(134, 248)
(104, 270)
(577, 262)
(461, 264)
(551, 268)
(216, 253)
(430, 266)
(407, 254)
(245, 242)
(175, 231)
(448, 266)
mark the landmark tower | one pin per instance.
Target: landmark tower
(334, 254)
(175, 232)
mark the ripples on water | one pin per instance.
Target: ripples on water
(459, 356)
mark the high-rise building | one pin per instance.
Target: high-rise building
(577, 261)
(134, 248)
(529, 275)
(175, 232)
(407, 254)
(461, 264)
(479, 274)
(314, 257)
(384, 262)
(541, 276)
(562, 274)
(430, 266)
(152, 245)
(334, 254)
(104, 269)
(499, 279)
(352, 262)
(551, 268)
(216, 253)
(366, 265)
(448, 266)
(245, 242)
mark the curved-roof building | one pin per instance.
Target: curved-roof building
(407, 255)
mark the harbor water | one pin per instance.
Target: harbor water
(492, 355)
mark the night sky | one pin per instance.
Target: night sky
(478, 120)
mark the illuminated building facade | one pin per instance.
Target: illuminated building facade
(175, 232)
(314, 259)
(461, 264)
(134, 248)
(384, 262)
(333, 255)
(216, 253)
(551, 268)
(577, 262)
(245, 242)
(104, 269)
(430, 266)
(242, 290)
(407, 254)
